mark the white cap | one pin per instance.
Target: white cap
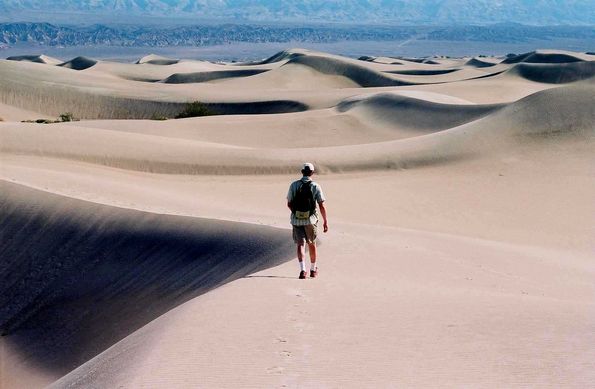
(308, 166)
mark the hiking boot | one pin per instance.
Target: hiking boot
(302, 275)
(313, 273)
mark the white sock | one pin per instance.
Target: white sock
(313, 266)
(302, 266)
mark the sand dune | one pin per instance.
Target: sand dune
(154, 59)
(79, 63)
(281, 56)
(401, 111)
(479, 63)
(12, 113)
(423, 72)
(460, 244)
(385, 60)
(547, 56)
(555, 73)
(362, 76)
(181, 78)
(131, 266)
(543, 111)
(36, 58)
(112, 90)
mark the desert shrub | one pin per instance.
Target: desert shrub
(195, 109)
(43, 121)
(66, 117)
(158, 117)
(1, 120)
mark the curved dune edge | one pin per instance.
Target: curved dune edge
(546, 56)
(479, 63)
(562, 73)
(414, 113)
(44, 59)
(59, 254)
(558, 110)
(361, 75)
(422, 72)
(187, 78)
(79, 63)
(277, 57)
(155, 59)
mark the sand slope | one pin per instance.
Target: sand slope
(130, 266)
(148, 253)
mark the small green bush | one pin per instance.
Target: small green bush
(195, 109)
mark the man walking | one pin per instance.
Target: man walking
(302, 198)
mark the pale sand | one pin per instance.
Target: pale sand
(461, 210)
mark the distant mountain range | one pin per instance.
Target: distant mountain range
(204, 35)
(428, 12)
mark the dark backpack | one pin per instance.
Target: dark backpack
(303, 204)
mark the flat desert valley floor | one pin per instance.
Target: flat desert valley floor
(158, 253)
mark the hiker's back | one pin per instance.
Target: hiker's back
(303, 196)
(303, 204)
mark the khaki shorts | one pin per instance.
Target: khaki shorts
(304, 234)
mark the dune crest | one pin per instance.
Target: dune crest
(554, 73)
(545, 56)
(363, 76)
(36, 58)
(154, 59)
(184, 78)
(79, 63)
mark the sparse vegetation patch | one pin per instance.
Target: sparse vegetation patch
(64, 117)
(158, 117)
(195, 109)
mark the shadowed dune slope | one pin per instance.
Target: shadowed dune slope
(421, 72)
(383, 60)
(186, 78)
(361, 75)
(35, 58)
(478, 63)
(60, 256)
(277, 57)
(554, 73)
(545, 57)
(411, 113)
(79, 63)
